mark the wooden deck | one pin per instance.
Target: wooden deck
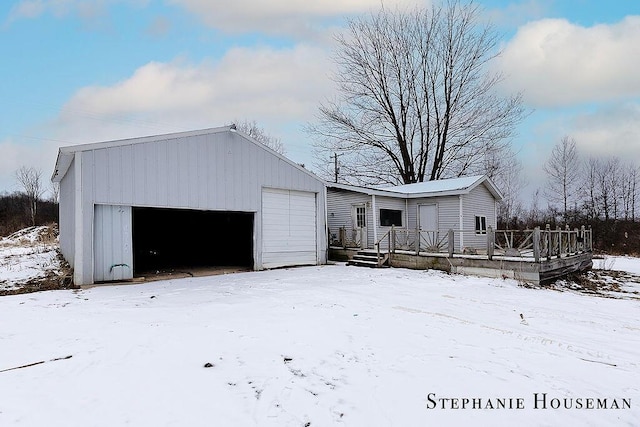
(522, 269)
(533, 256)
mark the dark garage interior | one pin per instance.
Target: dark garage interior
(167, 240)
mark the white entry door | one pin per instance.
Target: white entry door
(429, 235)
(359, 216)
(428, 215)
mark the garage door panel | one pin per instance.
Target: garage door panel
(288, 228)
(113, 254)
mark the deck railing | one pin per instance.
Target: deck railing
(542, 244)
(536, 244)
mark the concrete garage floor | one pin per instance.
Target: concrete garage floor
(173, 274)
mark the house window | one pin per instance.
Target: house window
(361, 217)
(389, 217)
(481, 224)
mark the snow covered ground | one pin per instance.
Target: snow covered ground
(320, 346)
(28, 255)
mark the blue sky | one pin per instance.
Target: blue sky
(82, 71)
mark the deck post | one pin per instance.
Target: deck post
(582, 239)
(559, 230)
(451, 242)
(547, 232)
(491, 242)
(536, 244)
(393, 239)
(417, 240)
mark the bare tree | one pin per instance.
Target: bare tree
(535, 212)
(258, 133)
(54, 189)
(506, 172)
(30, 181)
(606, 186)
(416, 100)
(563, 172)
(589, 190)
(628, 184)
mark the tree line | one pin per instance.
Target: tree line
(599, 192)
(26, 206)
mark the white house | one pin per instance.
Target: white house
(203, 198)
(360, 217)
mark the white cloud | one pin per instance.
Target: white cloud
(33, 154)
(280, 89)
(557, 63)
(613, 131)
(296, 17)
(262, 82)
(26, 9)
(516, 14)
(161, 26)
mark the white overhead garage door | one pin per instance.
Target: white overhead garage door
(288, 228)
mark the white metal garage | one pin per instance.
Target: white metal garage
(289, 228)
(153, 198)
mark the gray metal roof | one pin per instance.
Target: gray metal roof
(441, 187)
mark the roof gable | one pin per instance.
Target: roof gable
(66, 153)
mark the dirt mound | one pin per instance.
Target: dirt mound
(61, 278)
(47, 234)
(601, 283)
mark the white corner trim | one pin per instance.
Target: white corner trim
(78, 259)
(461, 219)
(375, 219)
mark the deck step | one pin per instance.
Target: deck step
(367, 259)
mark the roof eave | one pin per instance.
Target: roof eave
(63, 162)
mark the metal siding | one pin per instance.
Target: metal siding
(126, 174)
(66, 207)
(252, 163)
(412, 213)
(162, 175)
(220, 171)
(479, 202)
(102, 176)
(339, 203)
(241, 176)
(448, 211)
(86, 201)
(113, 254)
(181, 198)
(289, 228)
(202, 183)
(139, 190)
(192, 173)
(114, 172)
